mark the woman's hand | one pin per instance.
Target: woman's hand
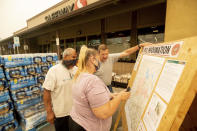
(113, 95)
(124, 95)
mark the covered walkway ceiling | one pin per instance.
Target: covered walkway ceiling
(97, 10)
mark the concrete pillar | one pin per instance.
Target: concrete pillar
(65, 46)
(134, 33)
(103, 35)
(134, 28)
(181, 19)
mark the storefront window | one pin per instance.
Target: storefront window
(153, 34)
(79, 42)
(70, 43)
(152, 38)
(118, 42)
(94, 41)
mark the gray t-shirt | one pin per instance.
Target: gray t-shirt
(105, 70)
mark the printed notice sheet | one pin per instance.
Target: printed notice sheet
(154, 113)
(149, 70)
(169, 78)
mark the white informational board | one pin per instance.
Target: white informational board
(149, 70)
(155, 78)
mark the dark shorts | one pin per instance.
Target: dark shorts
(73, 126)
(61, 123)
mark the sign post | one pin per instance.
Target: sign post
(58, 44)
(16, 43)
(26, 48)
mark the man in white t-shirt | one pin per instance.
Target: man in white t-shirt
(57, 90)
(107, 60)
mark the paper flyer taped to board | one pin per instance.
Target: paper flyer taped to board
(154, 113)
(169, 78)
(168, 50)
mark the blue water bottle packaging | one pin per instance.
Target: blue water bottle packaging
(17, 60)
(55, 57)
(40, 78)
(32, 80)
(34, 120)
(31, 110)
(4, 95)
(26, 92)
(38, 58)
(7, 61)
(44, 67)
(3, 84)
(16, 72)
(35, 89)
(5, 106)
(43, 56)
(11, 125)
(7, 117)
(26, 81)
(28, 101)
(1, 60)
(49, 58)
(28, 59)
(16, 84)
(32, 69)
(20, 93)
(11, 61)
(1, 73)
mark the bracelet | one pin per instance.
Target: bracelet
(139, 46)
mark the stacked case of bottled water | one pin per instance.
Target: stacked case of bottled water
(25, 74)
(7, 120)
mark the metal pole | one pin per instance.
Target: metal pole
(17, 50)
(58, 46)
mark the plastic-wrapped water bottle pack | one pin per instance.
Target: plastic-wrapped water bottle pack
(7, 120)
(24, 74)
(9, 126)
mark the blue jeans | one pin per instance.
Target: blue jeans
(110, 88)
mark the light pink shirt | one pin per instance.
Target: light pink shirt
(89, 92)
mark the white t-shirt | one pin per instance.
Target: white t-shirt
(59, 81)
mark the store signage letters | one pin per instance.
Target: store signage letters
(58, 13)
(170, 50)
(75, 4)
(158, 50)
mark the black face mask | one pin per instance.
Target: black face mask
(68, 63)
(97, 67)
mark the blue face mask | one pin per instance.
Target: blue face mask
(97, 67)
(68, 63)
